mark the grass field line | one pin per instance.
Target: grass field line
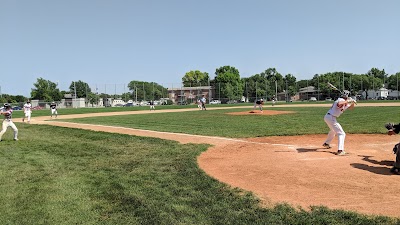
(142, 132)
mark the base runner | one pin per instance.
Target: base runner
(7, 122)
(27, 111)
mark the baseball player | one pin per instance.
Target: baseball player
(259, 103)
(7, 122)
(273, 100)
(343, 103)
(199, 105)
(27, 111)
(395, 129)
(152, 105)
(203, 103)
(53, 107)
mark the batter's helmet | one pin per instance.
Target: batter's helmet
(345, 94)
(6, 105)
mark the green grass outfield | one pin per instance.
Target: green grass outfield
(59, 175)
(306, 120)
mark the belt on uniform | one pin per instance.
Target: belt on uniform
(330, 114)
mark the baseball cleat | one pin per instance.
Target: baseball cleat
(395, 170)
(325, 145)
(340, 152)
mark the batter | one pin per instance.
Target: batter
(338, 107)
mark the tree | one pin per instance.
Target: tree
(45, 90)
(195, 78)
(393, 81)
(228, 79)
(290, 80)
(146, 91)
(93, 98)
(82, 88)
(375, 72)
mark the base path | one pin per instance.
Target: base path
(296, 170)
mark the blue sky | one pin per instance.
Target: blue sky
(111, 42)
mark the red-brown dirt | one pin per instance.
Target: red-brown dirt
(260, 113)
(295, 169)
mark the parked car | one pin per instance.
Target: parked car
(16, 108)
(313, 99)
(118, 105)
(183, 102)
(328, 99)
(215, 102)
(129, 104)
(231, 102)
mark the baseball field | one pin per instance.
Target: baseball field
(179, 165)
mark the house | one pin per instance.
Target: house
(307, 92)
(190, 94)
(381, 93)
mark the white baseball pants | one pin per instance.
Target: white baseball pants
(335, 129)
(6, 124)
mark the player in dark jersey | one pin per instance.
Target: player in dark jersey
(259, 103)
(151, 103)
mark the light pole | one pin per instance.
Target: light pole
(286, 92)
(397, 76)
(318, 85)
(343, 82)
(75, 94)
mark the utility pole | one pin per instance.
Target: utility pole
(286, 92)
(343, 82)
(318, 85)
(75, 94)
(256, 90)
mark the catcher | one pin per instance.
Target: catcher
(395, 129)
(259, 103)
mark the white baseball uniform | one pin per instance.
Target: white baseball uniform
(335, 128)
(7, 122)
(27, 111)
(53, 108)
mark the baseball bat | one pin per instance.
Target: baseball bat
(333, 87)
(336, 89)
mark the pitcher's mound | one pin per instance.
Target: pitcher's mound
(263, 113)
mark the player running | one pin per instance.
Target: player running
(53, 107)
(7, 122)
(343, 103)
(27, 111)
(203, 103)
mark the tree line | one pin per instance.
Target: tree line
(227, 84)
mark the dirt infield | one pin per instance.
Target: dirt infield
(293, 169)
(261, 113)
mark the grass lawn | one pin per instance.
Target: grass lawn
(59, 175)
(306, 120)
(68, 111)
